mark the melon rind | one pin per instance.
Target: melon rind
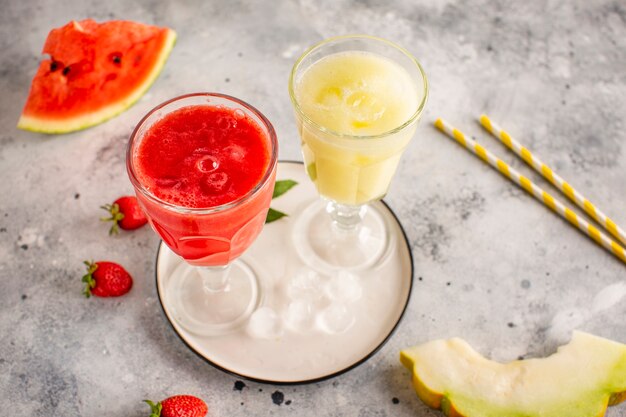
(580, 380)
(66, 125)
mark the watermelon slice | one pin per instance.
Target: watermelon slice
(95, 71)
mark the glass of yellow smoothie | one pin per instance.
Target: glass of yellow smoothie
(357, 101)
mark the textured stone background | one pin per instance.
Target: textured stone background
(492, 265)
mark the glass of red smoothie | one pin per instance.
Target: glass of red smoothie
(203, 167)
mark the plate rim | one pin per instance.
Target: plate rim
(344, 370)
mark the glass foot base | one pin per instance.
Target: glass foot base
(325, 247)
(206, 312)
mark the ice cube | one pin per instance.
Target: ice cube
(306, 284)
(264, 323)
(344, 286)
(299, 315)
(336, 318)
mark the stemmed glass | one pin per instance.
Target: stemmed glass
(211, 291)
(357, 101)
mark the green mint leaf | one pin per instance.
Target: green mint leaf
(281, 187)
(273, 215)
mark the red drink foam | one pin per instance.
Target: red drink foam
(202, 156)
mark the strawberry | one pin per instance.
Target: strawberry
(178, 406)
(106, 279)
(125, 213)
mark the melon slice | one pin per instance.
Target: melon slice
(95, 71)
(579, 380)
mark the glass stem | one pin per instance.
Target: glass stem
(214, 278)
(345, 218)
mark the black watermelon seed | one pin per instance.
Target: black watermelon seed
(66, 70)
(54, 66)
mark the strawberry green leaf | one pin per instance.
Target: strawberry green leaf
(116, 217)
(155, 409)
(88, 278)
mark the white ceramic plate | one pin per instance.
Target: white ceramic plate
(300, 349)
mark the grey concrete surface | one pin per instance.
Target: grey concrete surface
(491, 264)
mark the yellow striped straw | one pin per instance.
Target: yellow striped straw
(592, 210)
(534, 190)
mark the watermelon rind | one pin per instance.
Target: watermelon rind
(66, 125)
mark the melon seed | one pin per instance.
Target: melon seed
(54, 66)
(66, 70)
(117, 59)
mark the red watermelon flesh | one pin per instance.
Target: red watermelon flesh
(95, 71)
